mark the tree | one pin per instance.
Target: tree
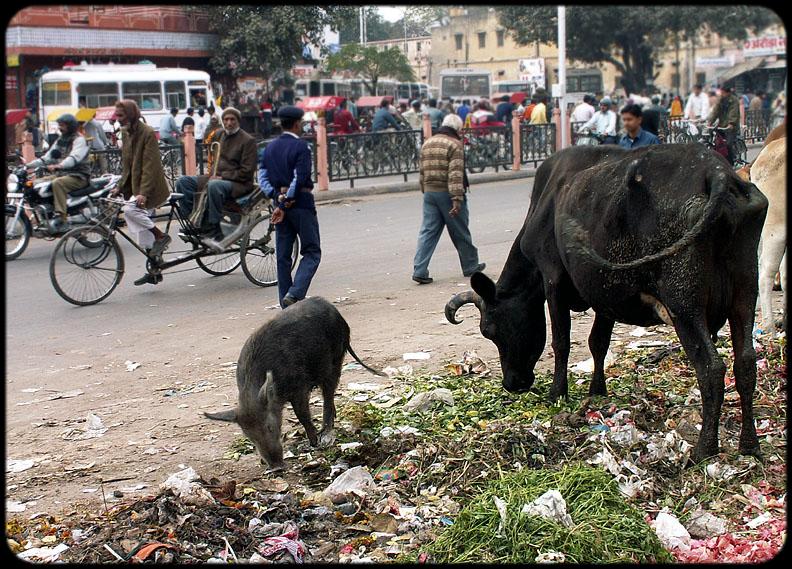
(267, 40)
(370, 63)
(377, 29)
(629, 36)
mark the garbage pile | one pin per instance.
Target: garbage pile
(454, 468)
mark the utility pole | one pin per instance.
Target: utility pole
(562, 75)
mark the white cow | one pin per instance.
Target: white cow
(768, 173)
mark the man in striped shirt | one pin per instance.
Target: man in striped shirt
(443, 183)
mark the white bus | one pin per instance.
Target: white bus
(155, 90)
(322, 88)
(512, 87)
(464, 83)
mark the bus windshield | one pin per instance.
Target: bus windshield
(465, 86)
(56, 93)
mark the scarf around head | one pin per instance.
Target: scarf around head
(132, 112)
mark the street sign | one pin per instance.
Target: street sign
(765, 45)
(724, 61)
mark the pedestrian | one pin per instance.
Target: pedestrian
(529, 109)
(444, 183)
(779, 110)
(414, 116)
(285, 177)
(503, 111)
(727, 112)
(584, 110)
(435, 114)
(266, 117)
(31, 126)
(676, 107)
(757, 102)
(653, 116)
(539, 113)
(383, 118)
(189, 120)
(97, 141)
(697, 107)
(634, 135)
(169, 130)
(200, 125)
(352, 107)
(344, 122)
(142, 183)
(464, 109)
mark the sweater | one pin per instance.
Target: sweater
(442, 165)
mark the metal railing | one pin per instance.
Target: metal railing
(757, 125)
(537, 142)
(310, 139)
(108, 161)
(374, 154)
(488, 147)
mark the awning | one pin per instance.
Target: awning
(778, 64)
(372, 100)
(105, 113)
(743, 67)
(53, 116)
(14, 116)
(319, 103)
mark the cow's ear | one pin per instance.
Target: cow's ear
(484, 287)
(634, 177)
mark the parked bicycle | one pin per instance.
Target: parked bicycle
(87, 275)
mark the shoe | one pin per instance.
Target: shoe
(478, 269)
(148, 278)
(423, 280)
(213, 232)
(288, 300)
(159, 246)
(59, 225)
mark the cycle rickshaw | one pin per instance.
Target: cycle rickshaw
(87, 275)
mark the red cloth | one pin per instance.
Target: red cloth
(345, 123)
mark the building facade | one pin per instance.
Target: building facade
(416, 49)
(45, 38)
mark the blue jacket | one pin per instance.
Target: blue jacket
(463, 111)
(286, 162)
(503, 112)
(382, 120)
(644, 138)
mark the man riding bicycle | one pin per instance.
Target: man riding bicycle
(727, 113)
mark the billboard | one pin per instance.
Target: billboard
(533, 71)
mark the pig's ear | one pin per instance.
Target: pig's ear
(230, 416)
(267, 390)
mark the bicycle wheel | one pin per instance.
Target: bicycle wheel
(86, 275)
(259, 259)
(221, 264)
(17, 232)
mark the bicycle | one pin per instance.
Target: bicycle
(714, 137)
(87, 275)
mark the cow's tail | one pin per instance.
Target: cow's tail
(357, 359)
(577, 241)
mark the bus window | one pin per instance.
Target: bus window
(147, 94)
(403, 91)
(93, 95)
(313, 89)
(198, 97)
(301, 89)
(56, 94)
(328, 88)
(174, 95)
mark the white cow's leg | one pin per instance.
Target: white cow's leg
(773, 246)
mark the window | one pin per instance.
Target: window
(701, 78)
(417, 46)
(147, 94)
(590, 83)
(56, 93)
(198, 97)
(482, 37)
(501, 37)
(94, 95)
(675, 80)
(174, 95)
(458, 38)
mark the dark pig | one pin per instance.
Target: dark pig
(301, 348)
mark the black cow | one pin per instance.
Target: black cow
(657, 234)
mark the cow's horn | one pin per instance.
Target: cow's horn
(458, 301)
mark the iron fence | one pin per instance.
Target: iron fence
(488, 147)
(310, 139)
(374, 154)
(537, 142)
(757, 125)
(108, 161)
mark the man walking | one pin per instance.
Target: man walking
(698, 106)
(435, 114)
(443, 183)
(414, 116)
(285, 177)
(189, 120)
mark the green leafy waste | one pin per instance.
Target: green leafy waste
(605, 529)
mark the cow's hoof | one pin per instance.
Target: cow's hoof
(326, 438)
(276, 468)
(556, 395)
(599, 391)
(701, 454)
(751, 449)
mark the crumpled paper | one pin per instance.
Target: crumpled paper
(672, 534)
(355, 481)
(424, 401)
(94, 428)
(549, 505)
(703, 525)
(289, 540)
(470, 363)
(183, 485)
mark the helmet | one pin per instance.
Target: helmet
(69, 120)
(606, 101)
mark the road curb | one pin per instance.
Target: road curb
(330, 195)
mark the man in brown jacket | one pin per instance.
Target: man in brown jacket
(443, 183)
(236, 168)
(143, 178)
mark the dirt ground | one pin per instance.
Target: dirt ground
(153, 414)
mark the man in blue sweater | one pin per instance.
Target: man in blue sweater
(285, 177)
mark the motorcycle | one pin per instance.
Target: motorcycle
(30, 209)
(589, 138)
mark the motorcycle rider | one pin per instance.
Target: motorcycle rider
(603, 122)
(72, 172)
